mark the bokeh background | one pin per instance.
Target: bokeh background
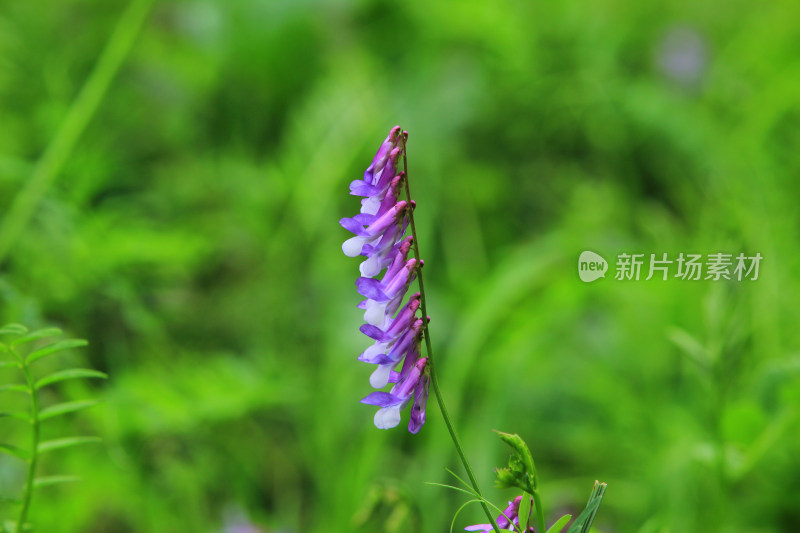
(183, 219)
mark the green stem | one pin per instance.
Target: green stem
(431, 363)
(35, 427)
(80, 112)
(537, 502)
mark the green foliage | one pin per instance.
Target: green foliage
(520, 472)
(192, 230)
(35, 414)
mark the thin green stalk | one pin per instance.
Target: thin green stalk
(35, 428)
(431, 363)
(80, 112)
(537, 502)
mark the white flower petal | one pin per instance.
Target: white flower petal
(387, 417)
(352, 246)
(371, 267)
(375, 313)
(380, 377)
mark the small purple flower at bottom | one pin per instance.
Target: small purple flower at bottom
(414, 384)
(509, 519)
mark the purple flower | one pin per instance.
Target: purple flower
(415, 383)
(379, 231)
(387, 355)
(509, 519)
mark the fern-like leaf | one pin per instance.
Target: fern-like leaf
(64, 408)
(38, 334)
(46, 481)
(16, 452)
(54, 348)
(71, 373)
(14, 388)
(13, 329)
(67, 442)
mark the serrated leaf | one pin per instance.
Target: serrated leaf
(38, 334)
(53, 480)
(14, 388)
(54, 348)
(13, 329)
(559, 524)
(16, 452)
(64, 408)
(72, 373)
(67, 442)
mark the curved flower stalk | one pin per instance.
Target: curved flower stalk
(380, 236)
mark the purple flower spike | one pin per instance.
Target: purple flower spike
(380, 235)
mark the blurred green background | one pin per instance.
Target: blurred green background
(190, 234)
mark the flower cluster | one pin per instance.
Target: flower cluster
(379, 231)
(509, 519)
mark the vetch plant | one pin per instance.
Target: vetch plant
(387, 211)
(15, 353)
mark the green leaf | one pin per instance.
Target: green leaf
(583, 523)
(8, 363)
(10, 526)
(14, 388)
(55, 347)
(13, 329)
(72, 373)
(38, 334)
(15, 414)
(559, 524)
(521, 472)
(525, 511)
(53, 480)
(16, 452)
(64, 408)
(67, 442)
